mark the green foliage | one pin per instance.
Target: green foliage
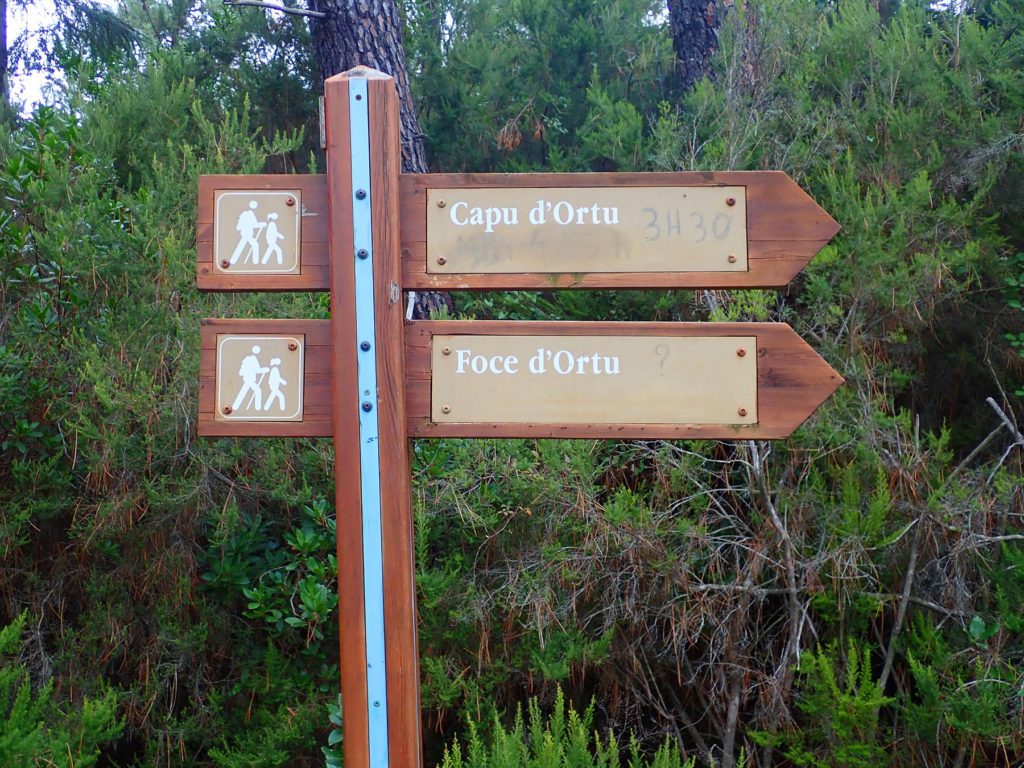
(33, 730)
(840, 699)
(536, 84)
(562, 739)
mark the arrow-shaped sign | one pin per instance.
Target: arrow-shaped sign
(744, 229)
(726, 381)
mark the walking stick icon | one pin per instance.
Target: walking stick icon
(256, 391)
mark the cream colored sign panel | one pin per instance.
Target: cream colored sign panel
(592, 230)
(259, 378)
(257, 231)
(594, 380)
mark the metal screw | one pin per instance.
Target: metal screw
(226, 409)
(365, 346)
(730, 201)
(366, 393)
(446, 350)
(742, 411)
(225, 263)
(367, 406)
(290, 201)
(360, 194)
(441, 203)
(732, 258)
(362, 253)
(741, 352)
(442, 260)
(446, 409)
(359, 97)
(292, 346)
(376, 703)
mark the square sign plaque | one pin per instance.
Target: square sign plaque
(259, 378)
(257, 231)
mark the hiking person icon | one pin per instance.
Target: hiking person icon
(249, 370)
(248, 227)
(275, 380)
(272, 236)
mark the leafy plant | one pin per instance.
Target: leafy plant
(564, 738)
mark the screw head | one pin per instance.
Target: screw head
(732, 258)
(730, 201)
(290, 202)
(742, 411)
(367, 406)
(226, 409)
(446, 409)
(360, 194)
(365, 346)
(442, 260)
(446, 350)
(292, 346)
(441, 203)
(362, 253)
(741, 352)
(224, 263)
(359, 97)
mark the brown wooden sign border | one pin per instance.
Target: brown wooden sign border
(792, 380)
(314, 257)
(318, 409)
(785, 229)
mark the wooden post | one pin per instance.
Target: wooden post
(373, 486)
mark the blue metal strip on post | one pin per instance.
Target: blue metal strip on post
(373, 564)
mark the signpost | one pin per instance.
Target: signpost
(367, 234)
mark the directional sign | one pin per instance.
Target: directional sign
(586, 230)
(378, 233)
(265, 377)
(262, 233)
(753, 229)
(726, 381)
(594, 379)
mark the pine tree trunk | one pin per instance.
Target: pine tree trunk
(694, 26)
(368, 33)
(4, 89)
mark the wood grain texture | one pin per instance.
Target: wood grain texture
(792, 380)
(348, 496)
(785, 228)
(318, 408)
(395, 480)
(314, 259)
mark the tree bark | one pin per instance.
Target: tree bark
(694, 26)
(368, 33)
(4, 88)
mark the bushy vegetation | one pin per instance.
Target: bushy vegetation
(849, 596)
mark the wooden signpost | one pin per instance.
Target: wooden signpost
(371, 380)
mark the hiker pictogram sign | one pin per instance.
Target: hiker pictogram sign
(257, 231)
(265, 377)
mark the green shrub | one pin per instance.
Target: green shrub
(563, 739)
(33, 730)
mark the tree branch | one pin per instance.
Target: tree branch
(278, 7)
